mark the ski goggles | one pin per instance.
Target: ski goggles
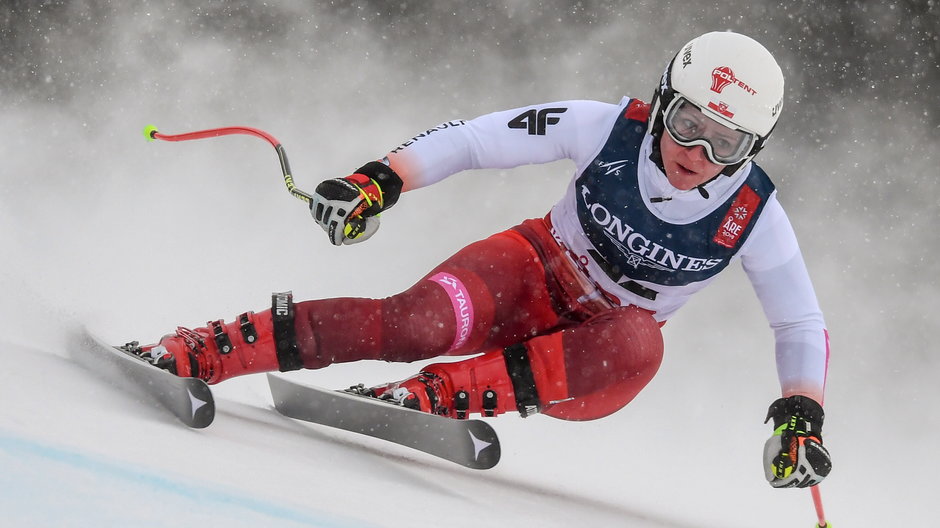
(689, 126)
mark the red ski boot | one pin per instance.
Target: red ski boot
(255, 342)
(491, 384)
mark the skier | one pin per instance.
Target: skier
(563, 313)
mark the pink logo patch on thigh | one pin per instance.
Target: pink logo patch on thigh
(463, 308)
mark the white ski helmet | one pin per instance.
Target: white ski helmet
(733, 80)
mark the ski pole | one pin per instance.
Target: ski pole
(820, 514)
(151, 133)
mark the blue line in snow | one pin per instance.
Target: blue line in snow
(155, 484)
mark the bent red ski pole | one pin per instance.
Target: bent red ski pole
(820, 514)
(151, 133)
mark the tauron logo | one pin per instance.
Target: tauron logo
(463, 307)
(536, 122)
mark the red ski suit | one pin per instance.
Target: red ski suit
(588, 355)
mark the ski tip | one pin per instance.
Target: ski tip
(150, 132)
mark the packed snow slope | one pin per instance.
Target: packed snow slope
(100, 228)
(79, 452)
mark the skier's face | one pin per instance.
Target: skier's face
(686, 167)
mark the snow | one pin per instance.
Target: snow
(107, 459)
(100, 228)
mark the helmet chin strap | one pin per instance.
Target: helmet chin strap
(701, 187)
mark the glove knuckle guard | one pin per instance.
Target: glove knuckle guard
(794, 455)
(347, 208)
(818, 458)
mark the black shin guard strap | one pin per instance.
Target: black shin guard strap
(285, 338)
(523, 382)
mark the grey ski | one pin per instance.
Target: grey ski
(470, 443)
(189, 399)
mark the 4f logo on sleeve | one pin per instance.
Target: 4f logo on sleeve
(537, 121)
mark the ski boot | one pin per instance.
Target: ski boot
(254, 342)
(490, 384)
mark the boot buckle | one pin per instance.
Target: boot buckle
(249, 334)
(489, 402)
(222, 341)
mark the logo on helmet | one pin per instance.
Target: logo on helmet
(722, 108)
(722, 76)
(687, 55)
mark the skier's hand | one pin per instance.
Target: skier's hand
(794, 456)
(348, 208)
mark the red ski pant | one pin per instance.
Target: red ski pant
(514, 287)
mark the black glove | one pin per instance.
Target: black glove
(794, 456)
(348, 208)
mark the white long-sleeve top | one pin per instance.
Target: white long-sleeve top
(578, 130)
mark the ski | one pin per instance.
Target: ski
(470, 443)
(189, 399)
